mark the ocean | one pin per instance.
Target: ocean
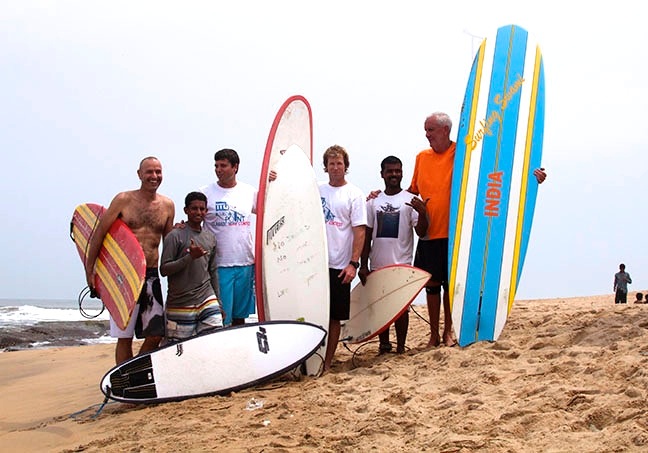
(42, 323)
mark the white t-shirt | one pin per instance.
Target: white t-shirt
(229, 217)
(392, 221)
(343, 208)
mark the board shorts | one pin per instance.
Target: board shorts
(237, 292)
(191, 320)
(620, 297)
(147, 319)
(340, 296)
(432, 256)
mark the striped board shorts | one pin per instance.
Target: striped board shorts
(191, 320)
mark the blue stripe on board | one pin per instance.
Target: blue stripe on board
(463, 141)
(535, 162)
(460, 153)
(491, 207)
(508, 84)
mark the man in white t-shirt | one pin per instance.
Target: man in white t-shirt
(230, 205)
(392, 218)
(345, 216)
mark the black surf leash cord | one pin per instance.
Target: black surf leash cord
(106, 401)
(419, 315)
(85, 291)
(355, 351)
(82, 295)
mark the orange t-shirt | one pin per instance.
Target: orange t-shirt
(433, 179)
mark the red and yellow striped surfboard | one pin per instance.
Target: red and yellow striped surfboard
(121, 265)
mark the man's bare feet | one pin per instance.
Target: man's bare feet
(449, 341)
(434, 342)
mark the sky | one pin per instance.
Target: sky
(89, 88)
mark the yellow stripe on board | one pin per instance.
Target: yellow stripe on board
(124, 263)
(89, 217)
(79, 227)
(88, 214)
(498, 149)
(121, 260)
(466, 169)
(80, 240)
(82, 236)
(525, 177)
(134, 281)
(113, 289)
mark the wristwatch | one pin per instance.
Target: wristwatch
(354, 264)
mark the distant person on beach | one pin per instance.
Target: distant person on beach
(621, 280)
(345, 216)
(230, 205)
(392, 218)
(150, 216)
(189, 263)
(432, 179)
(639, 298)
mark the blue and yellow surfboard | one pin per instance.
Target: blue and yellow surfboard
(499, 144)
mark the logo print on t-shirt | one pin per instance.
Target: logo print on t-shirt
(328, 214)
(227, 213)
(387, 221)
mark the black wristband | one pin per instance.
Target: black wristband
(354, 264)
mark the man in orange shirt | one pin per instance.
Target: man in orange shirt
(432, 180)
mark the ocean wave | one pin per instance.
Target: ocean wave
(31, 315)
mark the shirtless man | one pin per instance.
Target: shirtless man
(150, 216)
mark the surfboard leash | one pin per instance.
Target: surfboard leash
(101, 408)
(354, 352)
(419, 315)
(106, 401)
(82, 295)
(321, 367)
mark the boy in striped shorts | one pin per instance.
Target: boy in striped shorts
(189, 263)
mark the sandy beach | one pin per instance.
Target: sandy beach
(566, 375)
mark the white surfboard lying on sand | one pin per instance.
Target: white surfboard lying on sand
(220, 362)
(377, 304)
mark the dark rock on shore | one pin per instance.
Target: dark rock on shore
(49, 334)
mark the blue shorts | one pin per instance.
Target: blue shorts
(237, 292)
